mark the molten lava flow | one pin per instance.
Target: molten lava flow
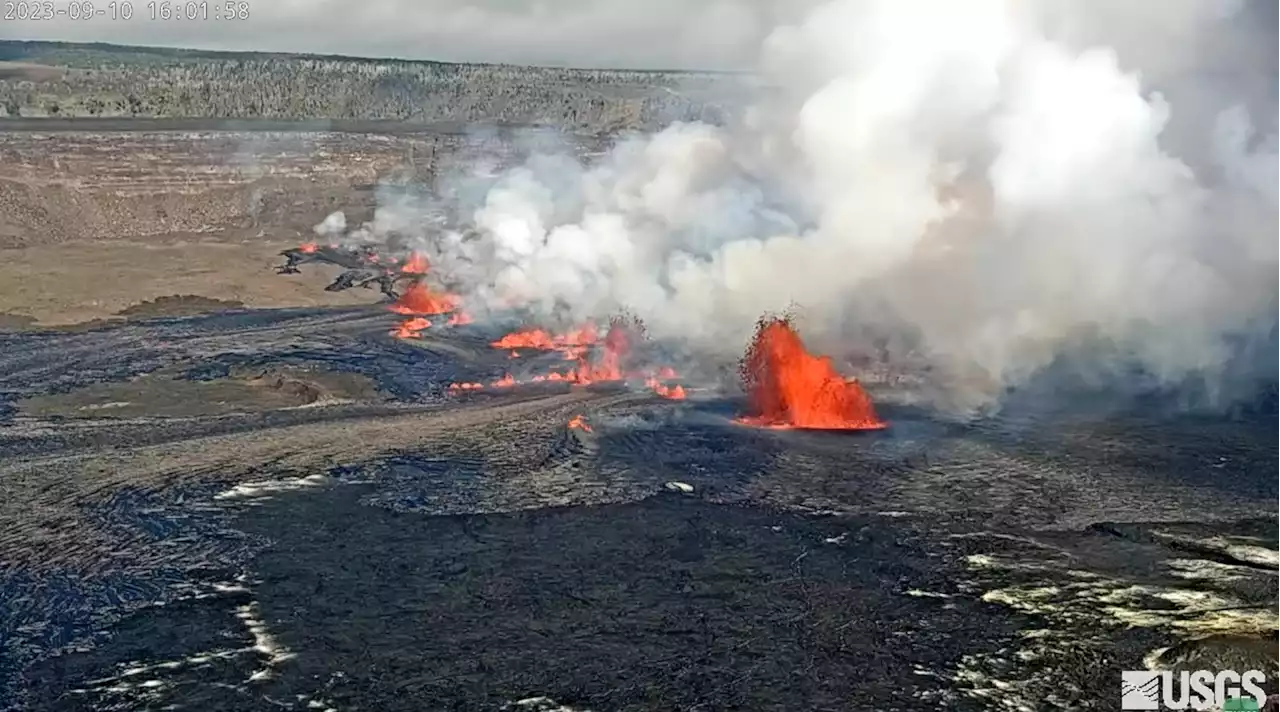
(416, 264)
(307, 247)
(789, 387)
(419, 299)
(459, 318)
(573, 353)
(579, 423)
(572, 341)
(608, 367)
(584, 335)
(457, 387)
(411, 328)
(527, 339)
(675, 392)
(595, 359)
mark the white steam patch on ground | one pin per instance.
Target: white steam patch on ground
(540, 704)
(265, 644)
(152, 682)
(1076, 602)
(257, 491)
(333, 226)
(990, 186)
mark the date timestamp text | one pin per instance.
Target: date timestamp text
(157, 10)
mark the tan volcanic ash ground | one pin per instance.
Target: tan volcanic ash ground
(94, 223)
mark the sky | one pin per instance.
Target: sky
(653, 34)
(650, 34)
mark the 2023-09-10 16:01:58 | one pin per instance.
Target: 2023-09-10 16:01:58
(193, 10)
(198, 10)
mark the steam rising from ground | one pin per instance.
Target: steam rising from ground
(987, 187)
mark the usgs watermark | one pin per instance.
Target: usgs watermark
(1228, 690)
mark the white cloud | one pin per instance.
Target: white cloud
(655, 34)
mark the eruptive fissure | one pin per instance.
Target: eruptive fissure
(594, 360)
(572, 344)
(419, 301)
(788, 387)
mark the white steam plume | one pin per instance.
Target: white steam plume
(334, 225)
(991, 184)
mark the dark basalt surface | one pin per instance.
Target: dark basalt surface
(410, 550)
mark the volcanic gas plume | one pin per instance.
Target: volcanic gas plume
(994, 190)
(787, 387)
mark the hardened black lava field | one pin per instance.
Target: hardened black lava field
(227, 489)
(285, 509)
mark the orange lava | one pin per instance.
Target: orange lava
(419, 299)
(675, 392)
(573, 353)
(307, 247)
(411, 328)
(596, 360)
(459, 318)
(544, 341)
(608, 366)
(579, 423)
(416, 264)
(788, 387)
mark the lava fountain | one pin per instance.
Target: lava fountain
(788, 387)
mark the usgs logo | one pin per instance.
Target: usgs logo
(1227, 690)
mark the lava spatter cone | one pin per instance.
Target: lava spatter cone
(788, 387)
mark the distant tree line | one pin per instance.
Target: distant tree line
(105, 81)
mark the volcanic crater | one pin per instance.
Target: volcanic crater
(394, 506)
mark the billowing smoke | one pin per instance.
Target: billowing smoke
(333, 226)
(989, 187)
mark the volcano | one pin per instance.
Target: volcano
(788, 387)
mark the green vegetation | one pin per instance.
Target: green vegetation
(40, 79)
